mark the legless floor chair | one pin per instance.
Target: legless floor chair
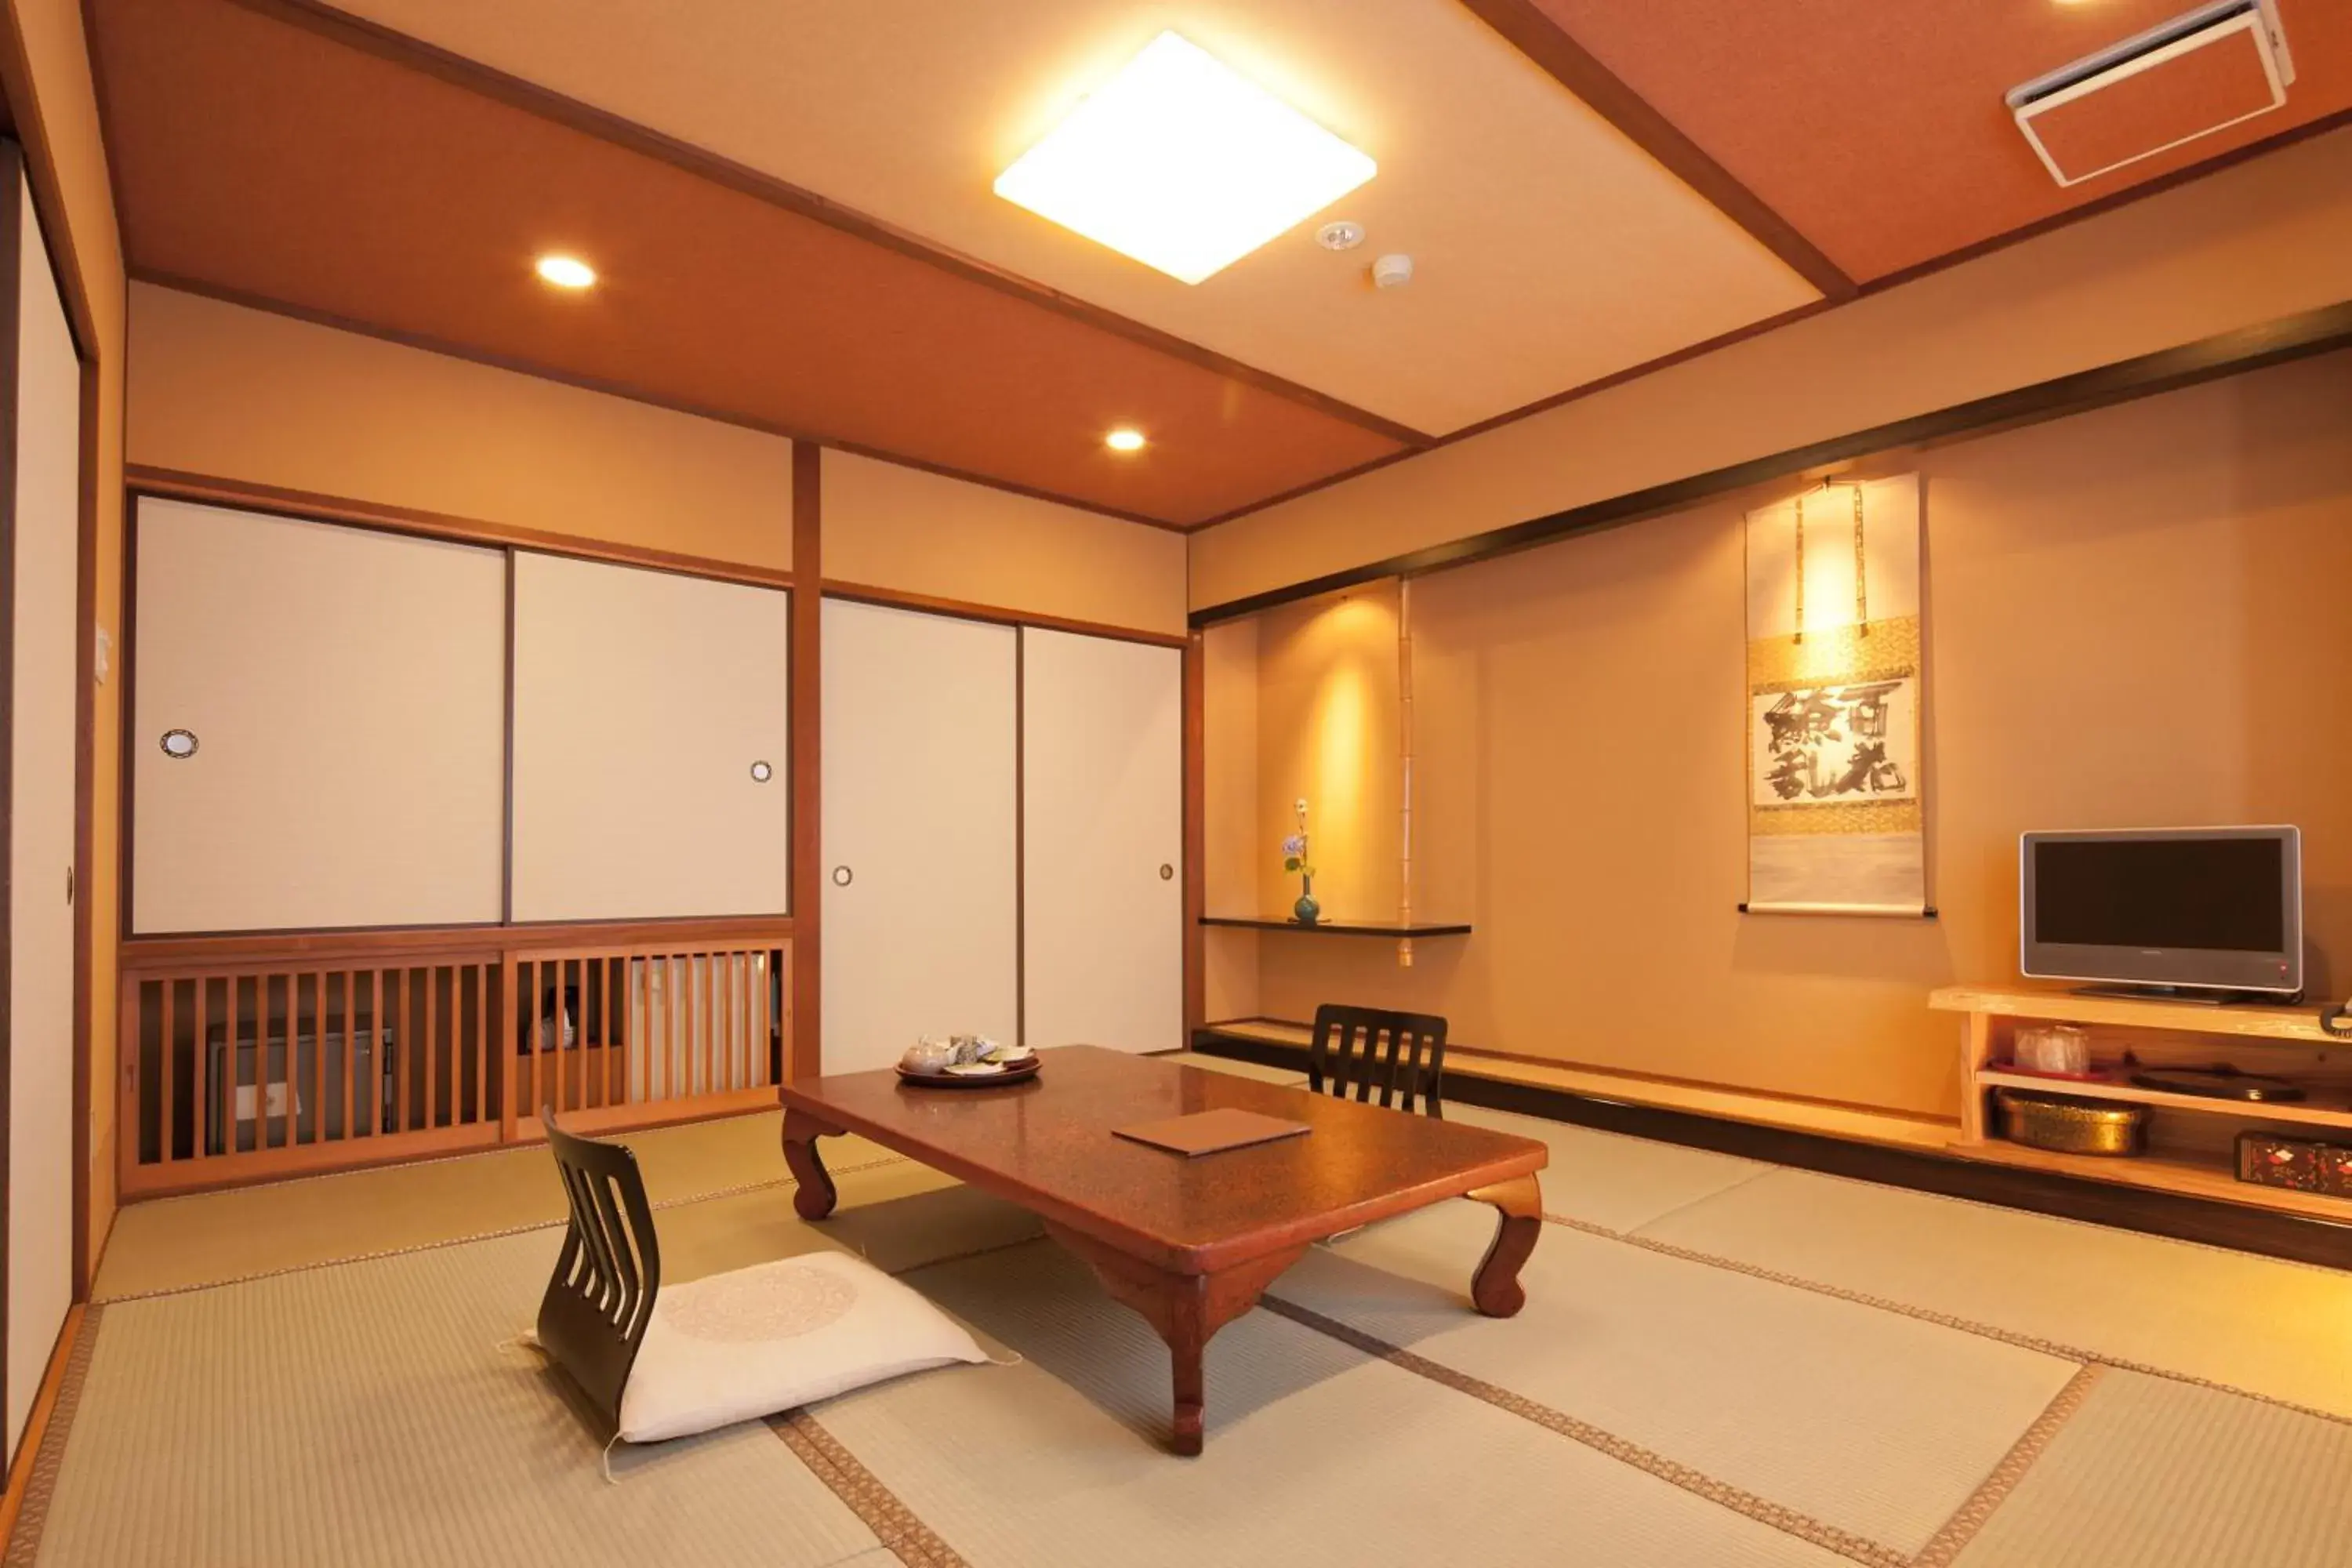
(725, 1348)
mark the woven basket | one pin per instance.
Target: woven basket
(2072, 1126)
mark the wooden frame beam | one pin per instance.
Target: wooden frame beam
(806, 1051)
(2209, 359)
(1527, 29)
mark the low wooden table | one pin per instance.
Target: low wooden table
(1187, 1243)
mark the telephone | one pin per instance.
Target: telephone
(2336, 1020)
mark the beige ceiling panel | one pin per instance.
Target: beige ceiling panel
(1548, 249)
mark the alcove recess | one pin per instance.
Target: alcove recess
(1328, 700)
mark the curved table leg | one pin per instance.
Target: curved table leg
(1187, 1309)
(814, 1197)
(1495, 1289)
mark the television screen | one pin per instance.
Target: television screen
(2217, 909)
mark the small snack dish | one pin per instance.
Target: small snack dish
(966, 1061)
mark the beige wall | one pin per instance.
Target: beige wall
(234, 393)
(891, 526)
(55, 103)
(2136, 617)
(2248, 245)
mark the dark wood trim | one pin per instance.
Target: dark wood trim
(2211, 1222)
(1196, 955)
(1019, 836)
(85, 850)
(412, 54)
(807, 699)
(1339, 928)
(2227, 353)
(38, 162)
(450, 349)
(1787, 318)
(506, 760)
(1526, 27)
(37, 1420)
(12, 175)
(149, 954)
(965, 610)
(310, 506)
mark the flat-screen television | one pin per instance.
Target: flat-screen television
(2201, 908)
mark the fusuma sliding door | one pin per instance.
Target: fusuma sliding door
(651, 774)
(318, 725)
(38, 576)
(921, 875)
(1102, 784)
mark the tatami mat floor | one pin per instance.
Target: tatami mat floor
(1720, 1363)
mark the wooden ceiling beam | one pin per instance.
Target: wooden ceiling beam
(1526, 28)
(414, 54)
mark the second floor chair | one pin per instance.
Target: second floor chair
(1368, 1054)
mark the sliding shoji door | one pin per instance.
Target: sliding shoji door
(1102, 798)
(651, 770)
(43, 527)
(318, 725)
(922, 877)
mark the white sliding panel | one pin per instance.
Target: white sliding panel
(921, 809)
(40, 580)
(344, 692)
(651, 728)
(1103, 798)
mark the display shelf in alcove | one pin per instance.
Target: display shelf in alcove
(1416, 930)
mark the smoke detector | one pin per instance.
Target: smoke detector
(1392, 271)
(2204, 71)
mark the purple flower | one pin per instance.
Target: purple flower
(1294, 845)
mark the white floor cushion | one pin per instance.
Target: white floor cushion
(764, 1339)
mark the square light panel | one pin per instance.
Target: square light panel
(1182, 164)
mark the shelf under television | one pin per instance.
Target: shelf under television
(2163, 1171)
(2192, 1135)
(2322, 1108)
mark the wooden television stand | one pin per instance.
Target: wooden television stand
(2191, 1140)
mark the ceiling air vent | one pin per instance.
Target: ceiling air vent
(2203, 71)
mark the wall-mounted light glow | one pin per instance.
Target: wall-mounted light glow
(1124, 439)
(565, 271)
(1182, 165)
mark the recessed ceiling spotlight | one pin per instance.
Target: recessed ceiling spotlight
(1339, 235)
(1182, 164)
(1125, 439)
(565, 271)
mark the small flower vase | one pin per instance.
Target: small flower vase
(1307, 912)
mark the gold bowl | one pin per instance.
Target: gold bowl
(2072, 1126)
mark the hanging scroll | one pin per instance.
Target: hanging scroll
(1835, 824)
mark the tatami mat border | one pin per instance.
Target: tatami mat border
(23, 1545)
(1962, 1526)
(1941, 1320)
(525, 1229)
(1763, 1511)
(917, 1545)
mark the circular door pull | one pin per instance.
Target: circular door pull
(1167, 872)
(762, 773)
(843, 877)
(179, 745)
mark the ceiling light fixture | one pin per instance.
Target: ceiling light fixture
(1124, 439)
(565, 271)
(1182, 165)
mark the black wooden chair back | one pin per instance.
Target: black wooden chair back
(1395, 1056)
(594, 1316)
